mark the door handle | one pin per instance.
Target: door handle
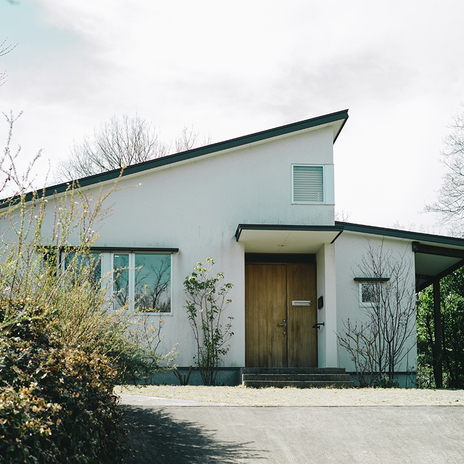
(282, 324)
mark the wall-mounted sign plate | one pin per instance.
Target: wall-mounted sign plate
(301, 303)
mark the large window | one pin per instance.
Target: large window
(143, 280)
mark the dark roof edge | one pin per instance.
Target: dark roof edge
(397, 233)
(359, 228)
(194, 153)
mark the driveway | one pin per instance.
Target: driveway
(183, 431)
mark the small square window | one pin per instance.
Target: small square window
(370, 289)
(368, 292)
(308, 184)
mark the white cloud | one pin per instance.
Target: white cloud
(231, 68)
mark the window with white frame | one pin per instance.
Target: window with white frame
(87, 266)
(370, 289)
(312, 184)
(142, 280)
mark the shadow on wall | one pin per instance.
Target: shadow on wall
(155, 437)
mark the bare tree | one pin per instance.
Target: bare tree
(450, 203)
(5, 48)
(189, 138)
(383, 341)
(117, 144)
(361, 342)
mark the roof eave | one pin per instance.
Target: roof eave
(112, 175)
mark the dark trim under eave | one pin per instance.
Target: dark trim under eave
(358, 228)
(440, 276)
(437, 251)
(111, 249)
(134, 250)
(190, 154)
(397, 233)
(371, 279)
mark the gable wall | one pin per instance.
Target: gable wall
(196, 207)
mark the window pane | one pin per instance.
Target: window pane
(120, 279)
(89, 263)
(153, 282)
(369, 292)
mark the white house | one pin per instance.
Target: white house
(262, 206)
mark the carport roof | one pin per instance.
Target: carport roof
(435, 255)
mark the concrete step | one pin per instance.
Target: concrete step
(298, 384)
(297, 377)
(292, 370)
(301, 377)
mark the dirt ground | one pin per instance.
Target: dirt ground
(242, 396)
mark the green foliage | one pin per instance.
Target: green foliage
(385, 382)
(205, 304)
(140, 359)
(62, 347)
(56, 402)
(452, 321)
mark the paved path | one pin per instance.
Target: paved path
(186, 431)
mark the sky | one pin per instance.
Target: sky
(233, 68)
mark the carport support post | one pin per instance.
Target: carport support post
(438, 364)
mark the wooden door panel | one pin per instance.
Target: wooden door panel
(266, 307)
(302, 338)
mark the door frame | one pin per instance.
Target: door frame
(288, 259)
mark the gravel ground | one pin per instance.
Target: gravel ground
(242, 396)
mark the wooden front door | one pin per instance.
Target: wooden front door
(278, 322)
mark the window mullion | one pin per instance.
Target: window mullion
(131, 280)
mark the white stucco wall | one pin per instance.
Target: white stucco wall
(196, 207)
(326, 287)
(350, 249)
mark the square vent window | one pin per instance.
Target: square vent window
(308, 184)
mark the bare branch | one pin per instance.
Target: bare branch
(117, 144)
(381, 344)
(5, 48)
(450, 203)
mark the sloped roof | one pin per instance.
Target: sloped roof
(435, 256)
(336, 120)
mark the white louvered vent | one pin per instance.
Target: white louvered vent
(308, 184)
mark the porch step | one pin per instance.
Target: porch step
(309, 377)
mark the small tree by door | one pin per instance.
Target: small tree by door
(206, 302)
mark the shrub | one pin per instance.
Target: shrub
(61, 347)
(205, 304)
(57, 402)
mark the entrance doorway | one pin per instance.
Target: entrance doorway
(280, 311)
